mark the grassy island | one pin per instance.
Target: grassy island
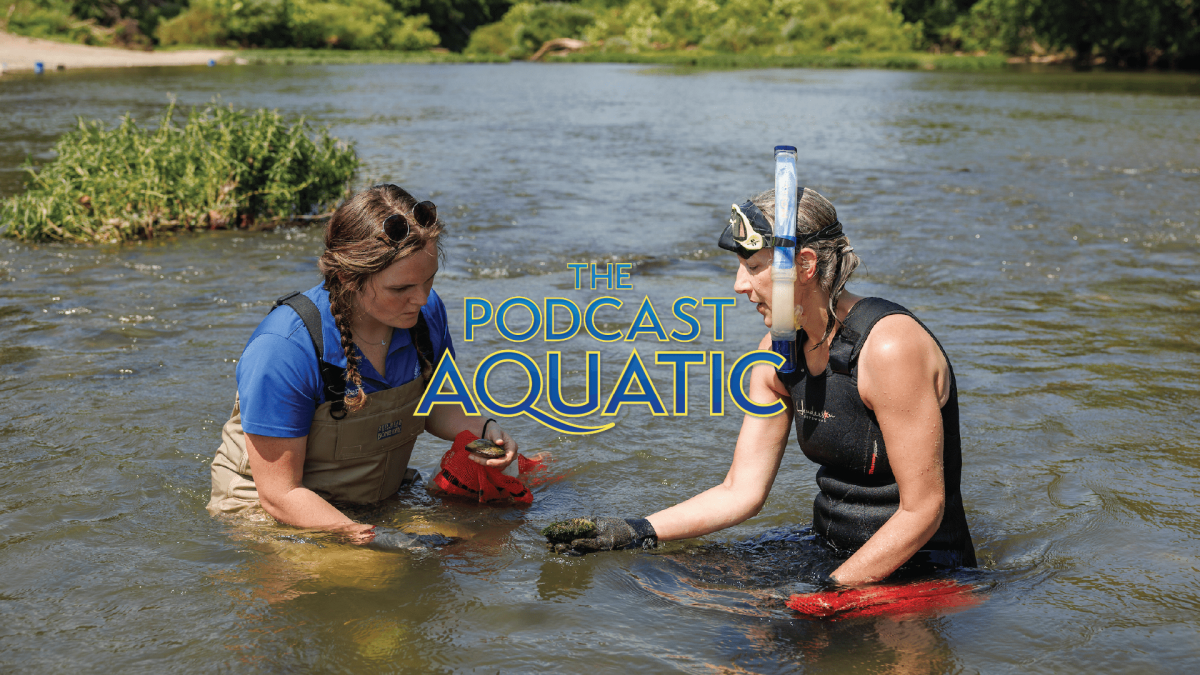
(219, 168)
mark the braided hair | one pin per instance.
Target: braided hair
(836, 259)
(355, 250)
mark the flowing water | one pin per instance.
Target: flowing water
(1045, 226)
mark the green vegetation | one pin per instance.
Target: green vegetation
(118, 23)
(1133, 33)
(338, 56)
(407, 25)
(763, 27)
(1120, 33)
(348, 24)
(1124, 33)
(713, 61)
(222, 168)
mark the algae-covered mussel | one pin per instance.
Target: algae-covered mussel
(566, 531)
(485, 448)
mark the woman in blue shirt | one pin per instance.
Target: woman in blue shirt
(327, 386)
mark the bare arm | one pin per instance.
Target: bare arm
(277, 465)
(905, 379)
(756, 458)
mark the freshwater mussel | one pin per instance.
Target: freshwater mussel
(566, 531)
(485, 448)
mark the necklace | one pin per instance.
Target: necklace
(368, 342)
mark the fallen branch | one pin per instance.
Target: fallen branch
(558, 47)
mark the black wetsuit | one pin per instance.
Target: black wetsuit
(836, 430)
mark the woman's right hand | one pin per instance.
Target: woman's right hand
(756, 457)
(582, 535)
(356, 533)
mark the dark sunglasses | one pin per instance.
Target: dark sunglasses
(397, 227)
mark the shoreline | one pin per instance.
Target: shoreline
(19, 54)
(685, 59)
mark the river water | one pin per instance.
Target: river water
(1045, 226)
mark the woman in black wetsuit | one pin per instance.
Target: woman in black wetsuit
(874, 403)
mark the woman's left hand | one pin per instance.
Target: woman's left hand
(501, 438)
(448, 421)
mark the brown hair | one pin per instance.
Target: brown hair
(356, 249)
(836, 260)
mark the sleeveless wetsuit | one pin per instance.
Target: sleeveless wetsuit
(836, 430)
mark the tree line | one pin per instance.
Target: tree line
(1120, 33)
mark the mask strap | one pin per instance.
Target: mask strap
(824, 234)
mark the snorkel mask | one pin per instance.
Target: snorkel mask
(748, 232)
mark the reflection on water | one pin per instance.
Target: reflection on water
(1045, 225)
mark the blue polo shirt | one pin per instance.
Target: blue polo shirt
(279, 382)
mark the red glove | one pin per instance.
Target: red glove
(877, 600)
(462, 477)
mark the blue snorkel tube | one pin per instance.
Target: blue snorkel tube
(783, 266)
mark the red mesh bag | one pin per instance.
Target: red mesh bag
(462, 477)
(927, 595)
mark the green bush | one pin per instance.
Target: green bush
(780, 27)
(993, 26)
(200, 25)
(221, 168)
(48, 19)
(359, 24)
(492, 39)
(222, 22)
(527, 25)
(94, 22)
(838, 25)
(345, 24)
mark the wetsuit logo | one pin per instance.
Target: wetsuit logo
(388, 429)
(812, 415)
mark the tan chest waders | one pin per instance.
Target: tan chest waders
(353, 457)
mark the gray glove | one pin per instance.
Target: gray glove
(581, 535)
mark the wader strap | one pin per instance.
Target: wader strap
(333, 377)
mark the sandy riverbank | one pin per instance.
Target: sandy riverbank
(21, 53)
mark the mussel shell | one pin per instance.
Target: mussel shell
(566, 531)
(485, 448)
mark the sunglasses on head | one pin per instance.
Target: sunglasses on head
(397, 226)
